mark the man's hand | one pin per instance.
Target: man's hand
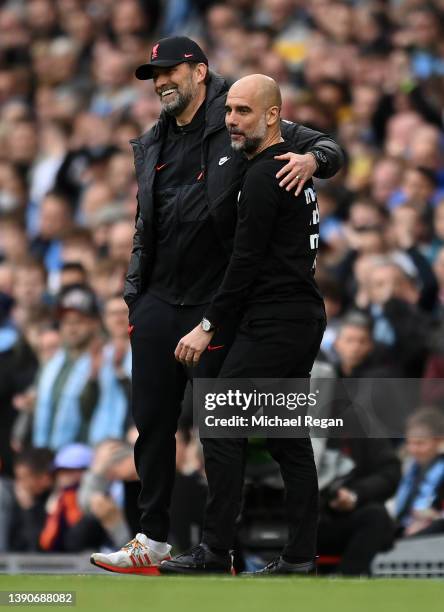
(25, 401)
(421, 520)
(104, 455)
(191, 346)
(298, 170)
(106, 511)
(345, 500)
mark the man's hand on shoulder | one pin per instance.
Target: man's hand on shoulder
(298, 170)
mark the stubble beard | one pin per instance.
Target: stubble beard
(252, 142)
(181, 100)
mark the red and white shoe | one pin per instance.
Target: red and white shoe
(136, 557)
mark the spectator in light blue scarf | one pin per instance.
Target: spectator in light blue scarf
(110, 382)
(58, 411)
(419, 504)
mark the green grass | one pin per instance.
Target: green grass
(225, 594)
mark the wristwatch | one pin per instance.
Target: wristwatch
(320, 157)
(206, 325)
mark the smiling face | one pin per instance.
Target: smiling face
(177, 86)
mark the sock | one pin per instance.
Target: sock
(160, 548)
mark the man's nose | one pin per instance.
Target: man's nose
(160, 80)
(230, 119)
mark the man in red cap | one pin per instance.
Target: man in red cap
(189, 179)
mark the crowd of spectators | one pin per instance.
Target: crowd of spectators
(368, 72)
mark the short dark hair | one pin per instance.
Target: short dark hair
(355, 318)
(73, 266)
(28, 262)
(331, 289)
(59, 195)
(79, 235)
(39, 460)
(427, 173)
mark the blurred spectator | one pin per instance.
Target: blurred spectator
(30, 279)
(18, 366)
(34, 480)
(397, 321)
(112, 73)
(366, 364)
(408, 231)
(418, 187)
(67, 528)
(58, 409)
(55, 220)
(107, 278)
(120, 240)
(354, 522)
(100, 495)
(419, 504)
(386, 179)
(13, 240)
(357, 354)
(44, 339)
(77, 246)
(106, 396)
(72, 273)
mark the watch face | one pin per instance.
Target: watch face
(320, 155)
(206, 325)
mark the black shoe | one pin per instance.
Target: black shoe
(198, 560)
(279, 567)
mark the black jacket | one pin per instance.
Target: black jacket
(222, 181)
(377, 469)
(271, 271)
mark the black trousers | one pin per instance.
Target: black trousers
(158, 384)
(266, 349)
(357, 535)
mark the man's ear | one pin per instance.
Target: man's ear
(273, 115)
(201, 71)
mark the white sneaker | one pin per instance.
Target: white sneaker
(136, 557)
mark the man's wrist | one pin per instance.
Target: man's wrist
(207, 325)
(320, 158)
(315, 160)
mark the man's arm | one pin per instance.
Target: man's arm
(258, 206)
(384, 473)
(133, 280)
(328, 154)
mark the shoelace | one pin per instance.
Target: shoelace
(134, 546)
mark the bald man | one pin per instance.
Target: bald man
(270, 284)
